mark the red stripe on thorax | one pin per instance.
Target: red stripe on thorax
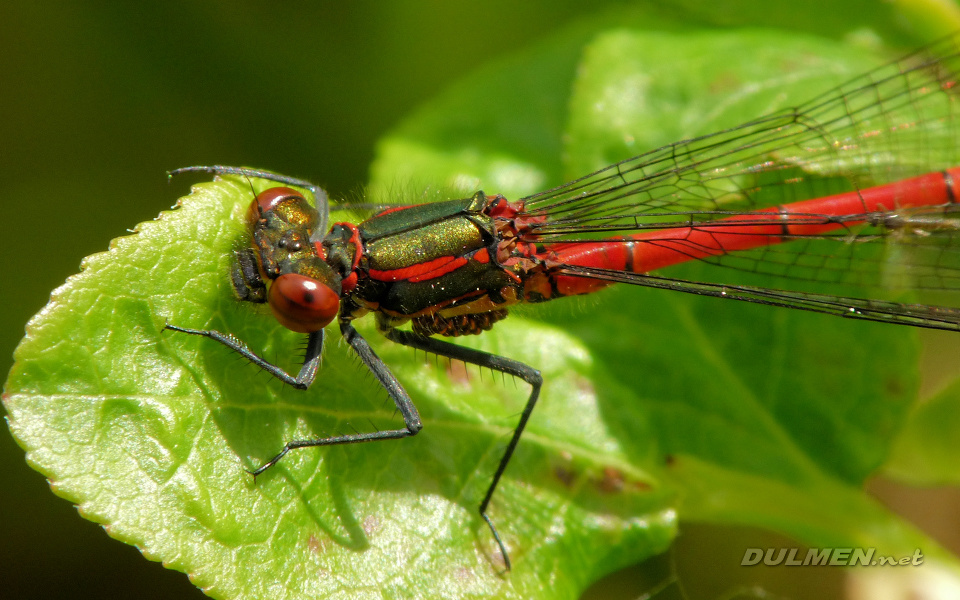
(387, 211)
(422, 271)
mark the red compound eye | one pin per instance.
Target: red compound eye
(302, 304)
(268, 199)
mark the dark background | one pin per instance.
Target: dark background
(99, 99)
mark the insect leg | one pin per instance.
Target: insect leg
(311, 360)
(497, 363)
(411, 418)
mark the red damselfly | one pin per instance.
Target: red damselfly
(857, 186)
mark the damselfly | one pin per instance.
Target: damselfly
(749, 198)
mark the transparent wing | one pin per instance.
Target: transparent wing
(895, 122)
(891, 123)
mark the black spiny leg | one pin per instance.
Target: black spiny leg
(411, 418)
(490, 361)
(311, 360)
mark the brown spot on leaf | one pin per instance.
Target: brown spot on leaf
(725, 84)
(565, 476)
(894, 386)
(612, 481)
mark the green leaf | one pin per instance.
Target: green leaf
(654, 408)
(150, 432)
(926, 451)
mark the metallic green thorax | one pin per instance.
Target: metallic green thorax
(432, 259)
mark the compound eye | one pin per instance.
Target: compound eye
(302, 304)
(269, 198)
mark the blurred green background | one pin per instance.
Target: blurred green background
(99, 99)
